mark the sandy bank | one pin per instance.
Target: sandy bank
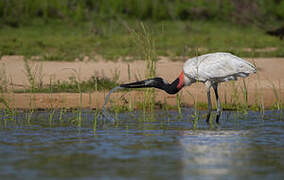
(260, 88)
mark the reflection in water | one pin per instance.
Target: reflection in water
(230, 154)
(164, 148)
(210, 153)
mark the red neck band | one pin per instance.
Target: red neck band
(181, 80)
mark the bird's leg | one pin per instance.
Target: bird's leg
(208, 85)
(215, 87)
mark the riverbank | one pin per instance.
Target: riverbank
(265, 87)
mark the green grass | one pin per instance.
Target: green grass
(17, 12)
(73, 86)
(59, 40)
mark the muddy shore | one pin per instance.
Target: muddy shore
(270, 71)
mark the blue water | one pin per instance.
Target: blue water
(167, 146)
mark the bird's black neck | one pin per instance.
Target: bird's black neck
(171, 88)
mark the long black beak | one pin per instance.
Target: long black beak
(141, 84)
(156, 82)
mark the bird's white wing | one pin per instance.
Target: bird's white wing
(217, 66)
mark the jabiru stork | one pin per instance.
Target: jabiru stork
(211, 69)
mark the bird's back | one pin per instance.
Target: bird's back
(217, 67)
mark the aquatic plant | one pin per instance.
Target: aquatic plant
(8, 113)
(34, 75)
(5, 102)
(60, 118)
(29, 115)
(95, 121)
(77, 77)
(4, 82)
(144, 40)
(178, 104)
(128, 72)
(278, 102)
(245, 96)
(196, 115)
(259, 97)
(51, 116)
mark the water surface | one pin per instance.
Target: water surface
(165, 147)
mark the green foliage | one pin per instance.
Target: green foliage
(4, 82)
(74, 86)
(55, 41)
(280, 10)
(17, 12)
(273, 7)
(145, 42)
(34, 75)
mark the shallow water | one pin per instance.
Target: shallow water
(166, 147)
(105, 114)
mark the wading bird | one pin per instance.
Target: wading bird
(210, 69)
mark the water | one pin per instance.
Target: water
(105, 114)
(168, 147)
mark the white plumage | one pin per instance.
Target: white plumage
(214, 68)
(217, 67)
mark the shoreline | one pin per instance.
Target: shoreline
(266, 87)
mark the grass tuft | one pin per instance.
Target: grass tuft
(73, 85)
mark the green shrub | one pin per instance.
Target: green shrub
(16, 12)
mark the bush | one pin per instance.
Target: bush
(15, 12)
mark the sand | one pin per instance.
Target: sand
(270, 71)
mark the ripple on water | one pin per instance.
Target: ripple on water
(165, 147)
